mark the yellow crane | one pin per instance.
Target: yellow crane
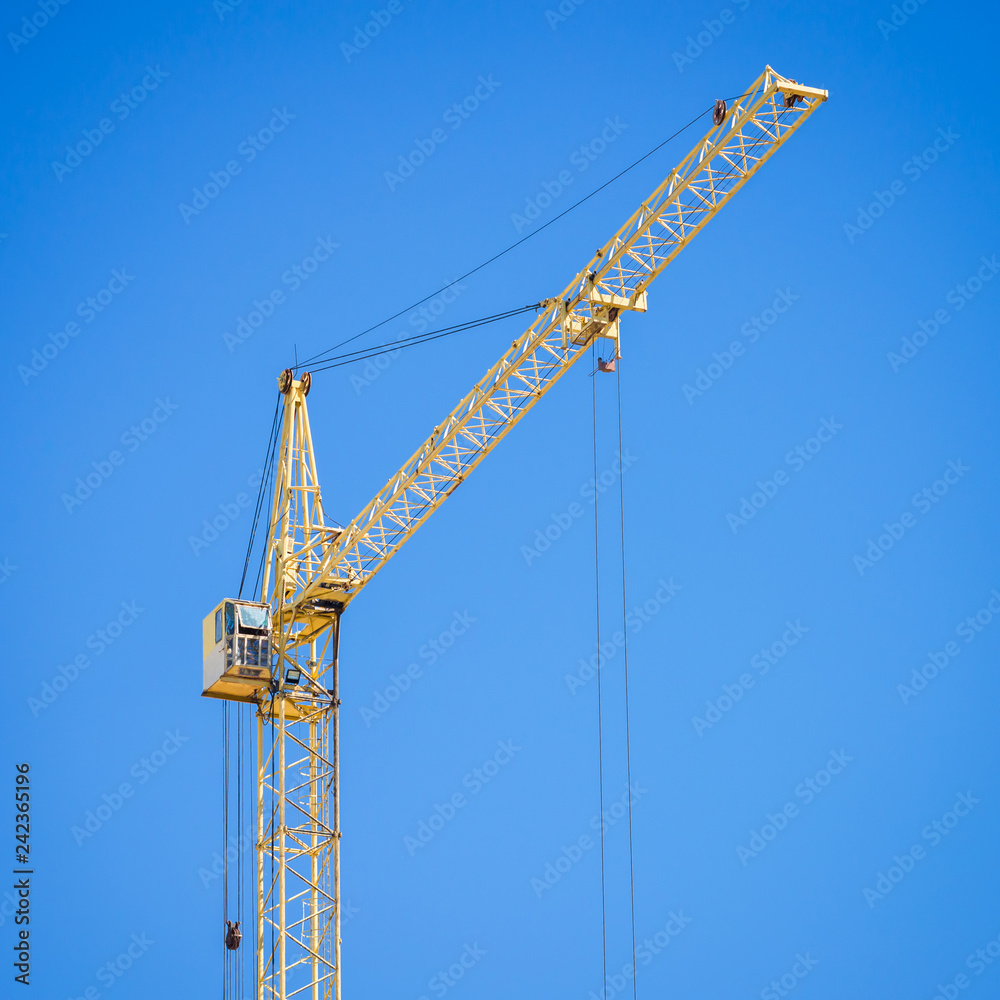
(281, 653)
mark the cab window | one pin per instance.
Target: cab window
(218, 625)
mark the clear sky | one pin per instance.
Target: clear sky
(167, 166)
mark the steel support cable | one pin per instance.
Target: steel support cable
(339, 360)
(423, 338)
(266, 484)
(517, 243)
(600, 718)
(260, 493)
(628, 735)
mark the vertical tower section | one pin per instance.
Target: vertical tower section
(298, 805)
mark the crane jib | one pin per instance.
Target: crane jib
(590, 307)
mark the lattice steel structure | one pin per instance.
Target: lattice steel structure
(614, 281)
(314, 570)
(298, 804)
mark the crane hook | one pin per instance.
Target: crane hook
(233, 935)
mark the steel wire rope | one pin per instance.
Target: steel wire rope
(515, 244)
(240, 963)
(368, 353)
(261, 493)
(266, 486)
(339, 360)
(628, 735)
(225, 834)
(600, 716)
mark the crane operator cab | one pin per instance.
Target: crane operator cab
(236, 644)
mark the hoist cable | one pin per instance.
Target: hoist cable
(628, 736)
(239, 839)
(225, 834)
(514, 245)
(600, 718)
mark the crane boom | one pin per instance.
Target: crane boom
(281, 653)
(614, 280)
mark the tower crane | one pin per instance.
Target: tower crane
(280, 653)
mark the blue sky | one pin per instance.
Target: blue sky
(170, 166)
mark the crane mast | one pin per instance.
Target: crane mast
(314, 570)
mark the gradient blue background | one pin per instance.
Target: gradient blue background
(505, 679)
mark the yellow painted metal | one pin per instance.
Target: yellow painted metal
(244, 677)
(315, 570)
(615, 279)
(298, 805)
